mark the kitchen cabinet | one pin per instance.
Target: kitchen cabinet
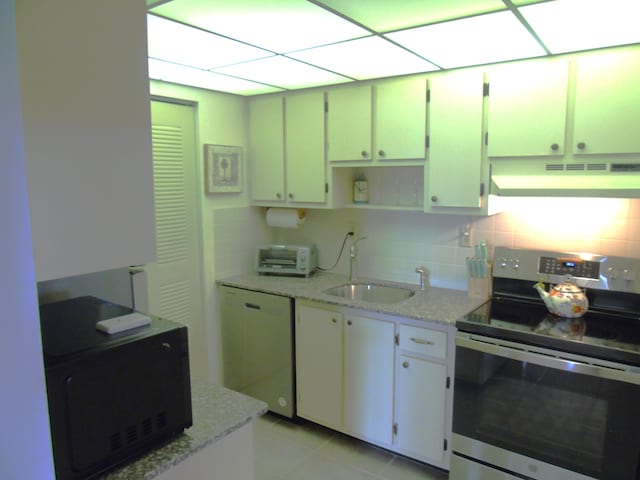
(382, 122)
(607, 103)
(266, 138)
(287, 149)
(423, 399)
(454, 169)
(527, 108)
(344, 368)
(87, 134)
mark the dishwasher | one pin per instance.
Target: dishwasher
(257, 347)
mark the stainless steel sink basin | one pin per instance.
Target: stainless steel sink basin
(371, 292)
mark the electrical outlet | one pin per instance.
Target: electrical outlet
(464, 236)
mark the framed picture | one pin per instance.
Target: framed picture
(223, 168)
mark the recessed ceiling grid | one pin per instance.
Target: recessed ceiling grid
(251, 47)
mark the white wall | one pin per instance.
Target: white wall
(25, 446)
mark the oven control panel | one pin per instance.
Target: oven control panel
(576, 267)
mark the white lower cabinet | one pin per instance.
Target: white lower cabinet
(376, 378)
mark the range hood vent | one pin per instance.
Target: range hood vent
(601, 179)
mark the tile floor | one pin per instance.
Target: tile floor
(284, 450)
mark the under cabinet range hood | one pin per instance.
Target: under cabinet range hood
(530, 178)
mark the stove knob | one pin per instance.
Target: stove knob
(515, 263)
(628, 275)
(612, 273)
(502, 263)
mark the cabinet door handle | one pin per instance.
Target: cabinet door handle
(405, 364)
(422, 341)
(291, 196)
(278, 195)
(334, 320)
(581, 146)
(364, 154)
(381, 153)
(349, 322)
(434, 198)
(555, 147)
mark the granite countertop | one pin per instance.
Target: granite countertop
(440, 305)
(217, 412)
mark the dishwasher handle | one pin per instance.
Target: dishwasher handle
(252, 306)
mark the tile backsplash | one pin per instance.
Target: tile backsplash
(397, 242)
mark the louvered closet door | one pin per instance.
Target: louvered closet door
(174, 281)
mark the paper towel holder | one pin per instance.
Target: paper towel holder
(285, 217)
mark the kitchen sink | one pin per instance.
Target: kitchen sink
(371, 292)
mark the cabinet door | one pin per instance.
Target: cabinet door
(527, 109)
(454, 167)
(400, 119)
(420, 408)
(266, 133)
(368, 378)
(349, 124)
(607, 112)
(319, 365)
(304, 147)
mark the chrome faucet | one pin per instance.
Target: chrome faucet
(353, 256)
(424, 276)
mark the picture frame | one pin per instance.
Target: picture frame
(223, 168)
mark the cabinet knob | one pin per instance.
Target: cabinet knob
(349, 322)
(381, 153)
(364, 154)
(405, 364)
(434, 198)
(334, 320)
(582, 146)
(555, 147)
(291, 196)
(278, 195)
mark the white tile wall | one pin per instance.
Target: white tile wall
(397, 242)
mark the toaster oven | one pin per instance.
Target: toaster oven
(290, 260)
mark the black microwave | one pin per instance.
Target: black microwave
(114, 396)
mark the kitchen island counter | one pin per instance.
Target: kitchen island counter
(441, 305)
(218, 413)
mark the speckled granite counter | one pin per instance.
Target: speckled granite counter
(439, 305)
(217, 412)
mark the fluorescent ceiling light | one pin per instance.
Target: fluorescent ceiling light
(283, 72)
(177, 43)
(170, 72)
(573, 25)
(385, 15)
(370, 57)
(494, 37)
(277, 25)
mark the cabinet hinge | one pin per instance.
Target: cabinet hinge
(326, 188)
(448, 385)
(395, 429)
(396, 339)
(426, 141)
(486, 138)
(428, 95)
(482, 189)
(326, 107)
(485, 89)
(446, 444)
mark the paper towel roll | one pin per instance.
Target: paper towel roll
(285, 217)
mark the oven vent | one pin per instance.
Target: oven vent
(575, 167)
(554, 167)
(134, 433)
(115, 441)
(602, 167)
(147, 426)
(625, 167)
(161, 420)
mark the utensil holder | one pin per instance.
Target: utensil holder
(479, 287)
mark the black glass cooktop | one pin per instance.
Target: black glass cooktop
(610, 335)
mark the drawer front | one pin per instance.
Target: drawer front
(423, 341)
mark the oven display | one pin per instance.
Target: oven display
(576, 267)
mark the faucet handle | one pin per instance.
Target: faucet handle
(424, 274)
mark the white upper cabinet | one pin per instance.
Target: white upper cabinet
(607, 104)
(87, 134)
(453, 174)
(381, 122)
(266, 137)
(528, 108)
(304, 147)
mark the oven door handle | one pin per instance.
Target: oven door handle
(549, 358)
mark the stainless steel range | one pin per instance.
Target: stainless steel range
(539, 396)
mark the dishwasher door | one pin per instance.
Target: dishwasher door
(257, 346)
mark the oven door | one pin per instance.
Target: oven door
(537, 412)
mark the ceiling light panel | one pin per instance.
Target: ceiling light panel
(283, 72)
(170, 72)
(573, 25)
(277, 25)
(494, 37)
(385, 15)
(177, 43)
(365, 58)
